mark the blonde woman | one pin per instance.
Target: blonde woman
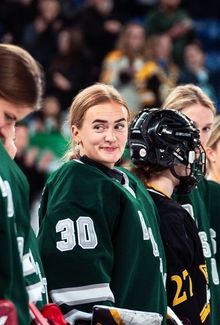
(99, 237)
(121, 64)
(194, 103)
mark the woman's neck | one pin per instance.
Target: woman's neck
(213, 176)
(163, 183)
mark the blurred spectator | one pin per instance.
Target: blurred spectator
(40, 35)
(171, 19)
(196, 72)
(26, 159)
(121, 65)
(155, 79)
(100, 25)
(70, 9)
(12, 23)
(46, 132)
(36, 162)
(52, 113)
(69, 70)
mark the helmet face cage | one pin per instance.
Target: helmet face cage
(194, 171)
(168, 138)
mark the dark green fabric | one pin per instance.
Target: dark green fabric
(121, 257)
(12, 284)
(17, 240)
(214, 215)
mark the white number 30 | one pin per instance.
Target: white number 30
(86, 234)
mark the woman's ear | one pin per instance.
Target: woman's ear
(210, 153)
(75, 134)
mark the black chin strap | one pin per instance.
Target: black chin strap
(186, 183)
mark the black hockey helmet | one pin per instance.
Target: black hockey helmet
(166, 138)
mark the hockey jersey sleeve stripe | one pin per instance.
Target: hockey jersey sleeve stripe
(75, 314)
(35, 292)
(28, 267)
(82, 295)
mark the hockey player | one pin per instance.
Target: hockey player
(21, 273)
(213, 177)
(193, 102)
(165, 147)
(100, 244)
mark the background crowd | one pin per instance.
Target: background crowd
(142, 47)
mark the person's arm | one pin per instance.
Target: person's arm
(181, 28)
(33, 272)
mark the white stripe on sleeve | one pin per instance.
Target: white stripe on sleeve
(82, 295)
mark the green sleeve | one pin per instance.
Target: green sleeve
(12, 285)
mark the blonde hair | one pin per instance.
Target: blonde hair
(186, 95)
(215, 133)
(93, 95)
(212, 142)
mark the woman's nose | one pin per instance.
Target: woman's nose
(110, 136)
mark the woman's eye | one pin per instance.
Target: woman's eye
(99, 127)
(207, 129)
(9, 118)
(120, 126)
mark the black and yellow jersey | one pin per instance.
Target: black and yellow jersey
(187, 278)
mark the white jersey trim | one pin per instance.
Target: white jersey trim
(75, 314)
(79, 161)
(35, 292)
(82, 295)
(126, 183)
(28, 267)
(155, 191)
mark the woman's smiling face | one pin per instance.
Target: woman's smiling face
(104, 132)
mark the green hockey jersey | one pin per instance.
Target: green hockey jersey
(100, 243)
(213, 197)
(21, 273)
(197, 204)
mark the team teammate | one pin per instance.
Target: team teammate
(194, 103)
(166, 151)
(213, 177)
(21, 274)
(99, 243)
